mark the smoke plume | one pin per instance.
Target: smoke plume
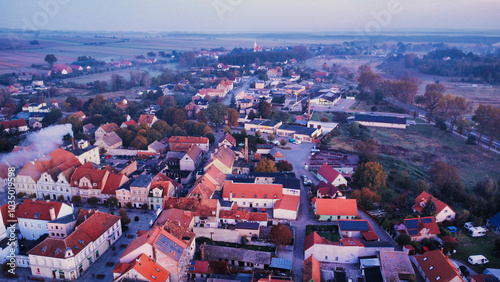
(38, 144)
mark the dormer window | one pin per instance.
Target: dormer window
(255, 196)
(424, 259)
(95, 184)
(437, 278)
(243, 195)
(275, 196)
(265, 196)
(431, 267)
(76, 182)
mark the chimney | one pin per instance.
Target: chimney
(52, 212)
(73, 143)
(309, 109)
(230, 196)
(246, 150)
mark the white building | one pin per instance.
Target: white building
(68, 258)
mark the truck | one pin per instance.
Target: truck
(477, 259)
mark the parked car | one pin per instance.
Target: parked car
(297, 142)
(468, 225)
(464, 270)
(477, 231)
(452, 229)
(478, 259)
(314, 150)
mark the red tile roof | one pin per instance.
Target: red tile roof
(424, 197)
(200, 267)
(109, 127)
(147, 119)
(229, 138)
(350, 242)
(336, 206)
(30, 208)
(146, 267)
(429, 224)
(199, 207)
(188, 140)
(313, 239)
(174, 216)
(215, 175)
(96, 176)
(202, 188)
(114, 181)
(482, 278)
(225, 156)
(434, 264)
(194, 152)
(328, 172)
(130, 122)
(288, 202)
(243, 215)
(252, 190)
(179, 147)
(312, 271)
(13, 123)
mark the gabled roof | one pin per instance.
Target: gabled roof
(202, 188)
(199, 207)
(58, 158)
(110, 139)
(225, 156)
(96, 176)
(288, 202)
(157, 146)
(79, 114)
(328, 172)
(130, 122)
(146, 267)
(175, 216)
(434, 264)
(312, 271)
(147, 119)
(423, 198)
(13, 123)
(109, 127)
(326, 188)
(395, 265)
(114, 181)
(313, 239)
(336, 206)
(35, 209)
(194, 152)
(188, 140)
(215, 175)
(415, 225)
(495, 220)
(229, 139)
(252, 190)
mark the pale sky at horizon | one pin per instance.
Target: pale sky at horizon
(213, 16)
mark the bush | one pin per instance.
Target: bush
(136, 218)
(403, 239)
(21, 195)
(471, 140)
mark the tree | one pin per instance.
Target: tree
(200, 117)
(271, 137)
(174, 116)
(285, 166)
(265, 109)
(60, 198)
(485, 116)
(140, 143)
(216, 113)
(252, 115)
(366, 198)
(50, 59)
(258, 133)
(430, 208)
(443, 174)
(354, 129)
(125, 220)
(368, 150)
(371, 175)
(52, 117)
(421, 186)
(232, 117)
(283, 142)
(433, 94)
(233, 101)
(367, 78)
(280, 235)
(403, 239)
(227, 129)
(452, 108)
(112, 202)
(92, 201)
(266, 165)
(129, 205)
(76, 199)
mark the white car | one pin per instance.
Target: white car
(478, 259)
(297, 142)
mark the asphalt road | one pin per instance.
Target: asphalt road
(244, 87)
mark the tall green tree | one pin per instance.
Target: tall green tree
(266, 165)
(50, 59)
(216, 113)
(371, 175)
(485, 116)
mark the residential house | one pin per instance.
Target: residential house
(109, 141)
(17, 124)
(4, 177)
(420, 228)
(252, 195)
(33, 216)
(56, 183)
(148, 120)
(143, 268)
(35, 124)
(78, 115)
(312, 271)
(493, 223)
(214, 175)
(157, 147)
(223, 159)
(105, 129)
(276, 155)
(247, 229)
(201, 142)
(88, 181)
(89, 129)
(159, 190)
(202, 188)
(113, 183)
(434, 266)
(325, 127)
(227, 140)
(346, 250)
(334, 209)
(67, 258)
(63, 226)
(234, 216)
(287, 207)
(213, 93)
(26, 180)
(169, 251)
(192, 159)
(125, 124)
(171, 217)
(123, 193)
(237, 257)
(205, 211)
(84, 152)
(139, 190)
(304, 134)
(357, 228)
(396, 266)
(381, 121)
(443, 211)
(331, 176)
(325, 190)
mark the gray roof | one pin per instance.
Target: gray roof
(226, 253)
(281, 263)
(264, 122)
(111, 138)
(298, 129)
(247, 225)
(142, 180)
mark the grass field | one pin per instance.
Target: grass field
(477, 246)
(418, 147)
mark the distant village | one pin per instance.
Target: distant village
(226, 174)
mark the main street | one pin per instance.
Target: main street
(243, 87)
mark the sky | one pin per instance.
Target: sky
(219, 16)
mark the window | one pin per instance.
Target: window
(243, 195)
(431, 267)
(39, 226)
(439, 277)
(326, 257)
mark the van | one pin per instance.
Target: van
(478, 259)
(477, 231)
(468, 225)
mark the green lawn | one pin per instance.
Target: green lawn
(477, 246)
